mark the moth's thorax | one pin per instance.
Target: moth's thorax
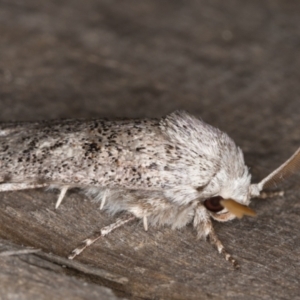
(237, 189)
(216, 164)
(232, 180)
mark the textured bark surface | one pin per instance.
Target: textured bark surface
(234, 63)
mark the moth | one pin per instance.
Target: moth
(171, 171)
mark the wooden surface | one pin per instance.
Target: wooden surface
(235, 63)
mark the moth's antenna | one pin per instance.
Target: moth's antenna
(291, 166)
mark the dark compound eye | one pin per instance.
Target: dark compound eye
(213, 204)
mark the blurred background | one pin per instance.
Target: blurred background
(236, 64)
(224, 61)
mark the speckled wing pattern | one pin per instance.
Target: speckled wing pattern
(148, 154)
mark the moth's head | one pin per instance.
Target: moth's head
(224, 210)
(232, 198)
(225, 207)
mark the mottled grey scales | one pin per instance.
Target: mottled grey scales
(170, 171)
(140, 154)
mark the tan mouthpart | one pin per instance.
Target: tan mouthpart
(237, 209)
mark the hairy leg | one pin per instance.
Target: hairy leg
(61, 196)
(265, 195)
(103, 232)
(202, 223)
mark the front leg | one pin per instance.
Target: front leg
(270, 194)
(202, 223)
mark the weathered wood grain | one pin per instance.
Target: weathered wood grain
(235, 64)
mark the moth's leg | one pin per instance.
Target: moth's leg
(265, 195)
(6, 187)
(214, 240)
(202, 222)
(204, 227)
(62, 194)
(103, 200)
(103, 232)
(145, 223)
